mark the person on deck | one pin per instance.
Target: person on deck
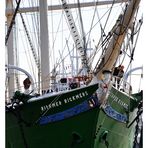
(26, 84)
(118, 73)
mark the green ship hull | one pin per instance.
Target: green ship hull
(74, 120)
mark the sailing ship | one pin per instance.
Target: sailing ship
(87, 109)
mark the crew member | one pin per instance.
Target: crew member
(27, 84)
(118, 73)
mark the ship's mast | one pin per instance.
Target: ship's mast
(44, 44)
(118, 35)
(10, 49)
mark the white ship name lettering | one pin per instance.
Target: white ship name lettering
(65, 101)
(116, 99)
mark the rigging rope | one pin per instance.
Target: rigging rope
(75, 34)
(12, 22)
(102, 30)
(30, 43)
(17, 62)
(139, 126)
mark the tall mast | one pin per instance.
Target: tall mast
(10, 50)
(44, 44)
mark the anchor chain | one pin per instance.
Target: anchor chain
(138, 129)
